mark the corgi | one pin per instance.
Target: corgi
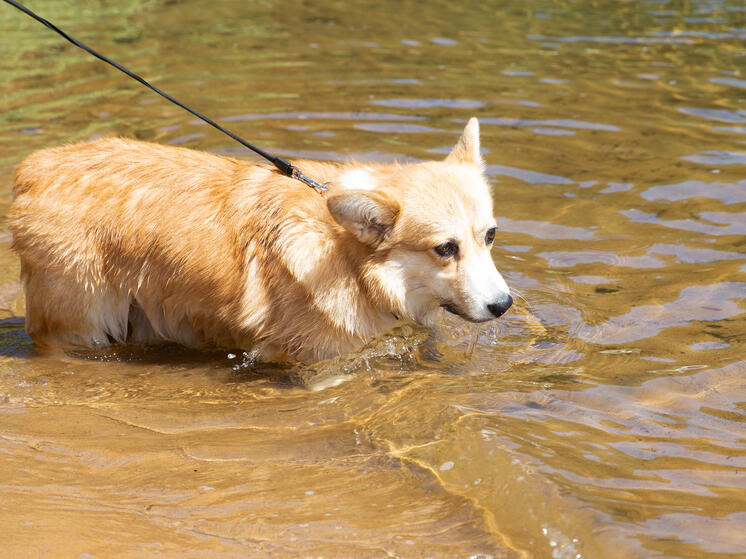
(127, 241)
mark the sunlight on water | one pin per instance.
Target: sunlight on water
(602, 416)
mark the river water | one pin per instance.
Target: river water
(602, 417)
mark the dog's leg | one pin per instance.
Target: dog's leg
(61, 310)
(161, 320)
(140, 331)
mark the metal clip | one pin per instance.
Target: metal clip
(296, 174)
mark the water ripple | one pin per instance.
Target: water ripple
(525, 175)
(695, 303)
(729, 81)
(725, 223)
(614, 40)
(690, 255)
(443, 41)
(728, 193)
(566, 259)
(544, 229)
(719, 115)
(552, 132)
(312, 115)
(558, 122)
(716, 157)
(429, 103)
(395, 128)
(722, 534)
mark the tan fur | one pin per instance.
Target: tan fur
(123, 240)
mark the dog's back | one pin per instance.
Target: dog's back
(109, 230)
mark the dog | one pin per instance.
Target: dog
(127, 241)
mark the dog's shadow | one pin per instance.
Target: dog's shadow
(399, 351)
(14, 342)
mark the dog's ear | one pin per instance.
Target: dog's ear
(466, 149)
(367, 214)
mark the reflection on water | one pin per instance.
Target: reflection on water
(701, 302)
(602, 416)
(728, 193)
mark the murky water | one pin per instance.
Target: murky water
(602, 417)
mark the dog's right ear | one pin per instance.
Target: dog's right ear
(367, 214)
(467, 148)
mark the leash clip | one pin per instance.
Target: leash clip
(296, 174)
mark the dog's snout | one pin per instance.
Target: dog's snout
(499, 308)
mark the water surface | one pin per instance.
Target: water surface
(603, 416)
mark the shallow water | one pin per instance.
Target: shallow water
(602, 417)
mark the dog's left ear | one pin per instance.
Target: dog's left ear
(367, 214)
(466, 149)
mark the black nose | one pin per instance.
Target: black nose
(498, 309)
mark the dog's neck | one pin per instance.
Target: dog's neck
(332, 299)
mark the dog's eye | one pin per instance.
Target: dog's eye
(447, 249)
(490, 236)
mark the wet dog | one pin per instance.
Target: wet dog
(127, 241)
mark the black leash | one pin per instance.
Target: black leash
(284, 166)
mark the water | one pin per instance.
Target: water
(602, 417)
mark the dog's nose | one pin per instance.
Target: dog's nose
(498, 309)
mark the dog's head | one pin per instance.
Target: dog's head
(431, 228)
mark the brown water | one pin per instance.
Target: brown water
(603, 417)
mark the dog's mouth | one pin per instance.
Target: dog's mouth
(451, 308)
